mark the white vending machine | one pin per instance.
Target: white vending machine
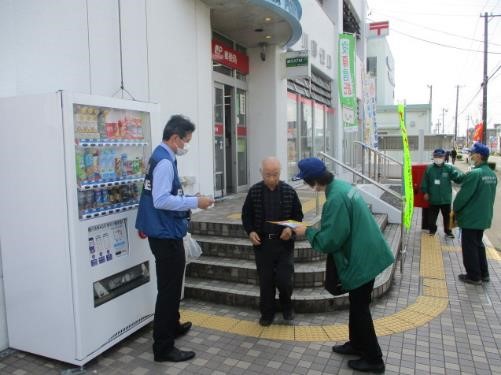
(78, 278)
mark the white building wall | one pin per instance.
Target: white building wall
(319, 27)
(385, 78)
(267, 110)
(75, 46)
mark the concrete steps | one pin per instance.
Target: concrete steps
(226, 272)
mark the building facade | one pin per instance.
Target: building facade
(219, 62)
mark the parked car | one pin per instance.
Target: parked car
(465, 151)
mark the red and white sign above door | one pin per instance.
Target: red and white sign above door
(230, 57)
(378, 29)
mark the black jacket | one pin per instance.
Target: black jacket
(253, 210)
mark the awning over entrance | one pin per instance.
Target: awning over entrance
(253, 22)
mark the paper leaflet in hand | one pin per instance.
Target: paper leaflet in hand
(290, 223)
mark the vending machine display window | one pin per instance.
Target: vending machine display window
(110, 156)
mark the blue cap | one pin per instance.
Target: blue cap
(439, 152)
(310, 168)
(479, 148)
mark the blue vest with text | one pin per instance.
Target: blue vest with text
(158, 223)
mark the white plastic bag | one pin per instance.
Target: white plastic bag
(191, 248)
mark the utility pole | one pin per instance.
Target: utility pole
(456, 117)
(431, 109)
(486, 78)
(443, 119)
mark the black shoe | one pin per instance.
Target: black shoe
(450, 235)
(174, 355)
(346, 348)
(365, 366)
(266, 322)
(183, 329)
(432, 233)
(289, 315)
(466, 279)
(486, 279)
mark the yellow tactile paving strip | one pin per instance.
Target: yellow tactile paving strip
(492, 253)
(430, 304)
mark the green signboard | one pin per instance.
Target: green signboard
(407, 172)
(347, 81)
(296, 61)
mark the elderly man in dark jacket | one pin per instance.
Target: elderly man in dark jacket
(272, 200)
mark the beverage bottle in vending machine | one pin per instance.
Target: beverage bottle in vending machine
(96, 166)
(101, 127)
(89, 200)
(103, 160)
(88, 163)
(110, 168)
(105, 198)
(81, 200)
(123, 158)
(80, 165)
(98, 198)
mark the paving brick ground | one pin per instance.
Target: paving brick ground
(464, 338)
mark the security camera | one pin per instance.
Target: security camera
(263, 51)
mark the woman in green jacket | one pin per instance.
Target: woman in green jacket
(349, 233)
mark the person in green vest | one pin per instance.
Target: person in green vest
(473, 208)
(349, 233)
(437, 188)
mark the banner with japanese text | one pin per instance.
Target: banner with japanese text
(370, 126)
(346, 79)
(407, 172)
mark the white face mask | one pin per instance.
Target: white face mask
(438, 161)
(182, 151)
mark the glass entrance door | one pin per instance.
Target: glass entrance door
(230, 140)
(219, 143)
(241, 141)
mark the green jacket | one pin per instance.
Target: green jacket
(474, 203)
(348, 231)
(437, 183)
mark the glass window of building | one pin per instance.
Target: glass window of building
(241, 137)
(306, 136)
(318, 121)
(292, 138)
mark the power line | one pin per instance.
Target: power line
(432, 29)
(441, 44)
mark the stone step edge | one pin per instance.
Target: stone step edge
(300, 243)
(306, 294)
(381, 219)
(299, 267)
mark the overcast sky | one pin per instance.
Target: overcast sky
(434, 42)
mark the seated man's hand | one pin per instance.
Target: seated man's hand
(254, 238)
(426, 197)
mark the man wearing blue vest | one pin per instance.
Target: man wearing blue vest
(163, 216)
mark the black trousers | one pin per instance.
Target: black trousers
(275, 269)
(474, 257)
(433, 214)
(361, 327)
(170, 262)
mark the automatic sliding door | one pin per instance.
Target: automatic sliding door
(219, 143)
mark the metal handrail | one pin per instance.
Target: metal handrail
(378, 152)
(402, 249)
(354, 171)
